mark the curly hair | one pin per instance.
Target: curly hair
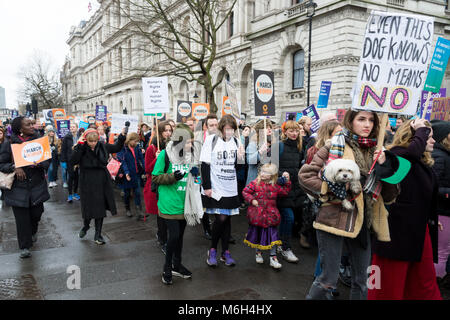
(404, 136)
(16, 125)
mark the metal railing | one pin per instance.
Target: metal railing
(398, 3)
(297, 9)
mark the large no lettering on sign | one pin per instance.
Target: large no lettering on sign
(393, 65)
(31, 152)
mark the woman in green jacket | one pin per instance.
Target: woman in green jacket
(170, 174)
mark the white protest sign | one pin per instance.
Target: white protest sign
(118, 122)
(393, 64)
(156, 95)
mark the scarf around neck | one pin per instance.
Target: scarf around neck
(338, 143)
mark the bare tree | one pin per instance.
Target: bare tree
(175, 37)
(40, 79)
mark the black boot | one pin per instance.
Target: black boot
(206, 226)
(98, 232)
(85, 228)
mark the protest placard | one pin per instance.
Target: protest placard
(200, 110)
(341, 114)
(63, 128)
(438, 65)
(31, 152)
(233, 102)
(324, 94)
(83, 125)
(184, 110)
(155, 92)
(441, 94)
(118, 122)
(312, 113)
(264, 91)
(441, 109)
(393, 64)
(101, 113)
(291, 116)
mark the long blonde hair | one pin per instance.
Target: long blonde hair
(325, 132)
(269, 168)
(403, 138)
(291, 124)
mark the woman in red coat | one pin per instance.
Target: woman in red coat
(165, 132)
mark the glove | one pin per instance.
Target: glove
(281, 181)
(178, 175)
(194, 171)
(64, 165)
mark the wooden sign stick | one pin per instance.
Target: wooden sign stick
(381, 134)
(157, 133)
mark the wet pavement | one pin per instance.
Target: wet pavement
(129, 266)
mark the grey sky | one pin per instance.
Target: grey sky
(28, 25)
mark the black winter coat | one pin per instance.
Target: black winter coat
(96, 186)
(33, 190)
(414, 208)
(66, 148)
(290, 161)
(441, 166)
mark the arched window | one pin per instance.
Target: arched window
(298, 69)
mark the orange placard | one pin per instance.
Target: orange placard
(31, 152)
(226, 106)
(89, 118)
(200, 110)
(59, 114)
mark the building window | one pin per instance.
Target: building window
(231, 25)
(297, 1)
(298, 69)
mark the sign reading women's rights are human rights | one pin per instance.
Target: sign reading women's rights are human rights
(393, 64)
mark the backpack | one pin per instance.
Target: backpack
(154, 185)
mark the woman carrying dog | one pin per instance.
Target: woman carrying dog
(406, 262)
(335, 225)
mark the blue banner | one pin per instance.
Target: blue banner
(63, 128)
(324, 94)
(312, 113)
(101, 113)
(438, 65)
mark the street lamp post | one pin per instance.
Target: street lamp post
(310, 11)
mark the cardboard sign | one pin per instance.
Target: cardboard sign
(312, 113)
(63, 128)
(118, 122)
(438, 65)
(233, 102)
(226, 106)
(293, 115)
(441, 94)
(393, 64)
(31, 152)
(341, 114)
(184, 110)
(101, 113)
(89, 118)
(264, 90)
(84, 125)
(156, 95)
(441, 109)
(324, 94)
(200, 110)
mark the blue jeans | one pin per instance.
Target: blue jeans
(64, 174)
(137, 195)
(52, 172)
(287, 222)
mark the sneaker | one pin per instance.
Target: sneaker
(226, 258)
(181, 272)
(345, 275)
(100, 241)
(167, 278)
(76, 196)
(289, 256)
(65, 185)
(128, 213)
(82, 232)
(25, 253)
(274, 262)
(34, 237)
(70, 198)
(50, 184)
(212, 258)
(259, 258)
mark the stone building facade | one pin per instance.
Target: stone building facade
(270, 35)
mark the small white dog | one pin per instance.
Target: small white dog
(341, 172)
